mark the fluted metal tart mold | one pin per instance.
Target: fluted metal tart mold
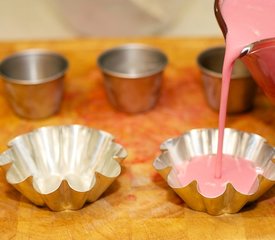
(198, 142)
(62, 167)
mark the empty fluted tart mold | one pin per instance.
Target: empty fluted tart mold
(62, 167)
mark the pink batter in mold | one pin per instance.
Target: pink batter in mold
(237, 171)
(247, 21)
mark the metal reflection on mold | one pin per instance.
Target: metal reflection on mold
(199, 142)
(62, 166)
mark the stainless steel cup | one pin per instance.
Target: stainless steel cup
(242, 86)
(33, 81)
(132, 76)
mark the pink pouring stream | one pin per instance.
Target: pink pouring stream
(247, 21)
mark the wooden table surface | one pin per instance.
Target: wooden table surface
(139, 205)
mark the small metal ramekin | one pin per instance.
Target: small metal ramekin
(242, 86)
(133, 76)
(33, 81)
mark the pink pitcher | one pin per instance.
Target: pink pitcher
(259, 58)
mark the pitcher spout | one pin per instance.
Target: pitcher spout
(259, 58)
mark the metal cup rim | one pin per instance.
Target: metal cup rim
(212, 72)
(131, 46)
(38, 51)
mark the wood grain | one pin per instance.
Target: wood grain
(139, 205)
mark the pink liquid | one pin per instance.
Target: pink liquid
(247, 21)
(239, 172)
